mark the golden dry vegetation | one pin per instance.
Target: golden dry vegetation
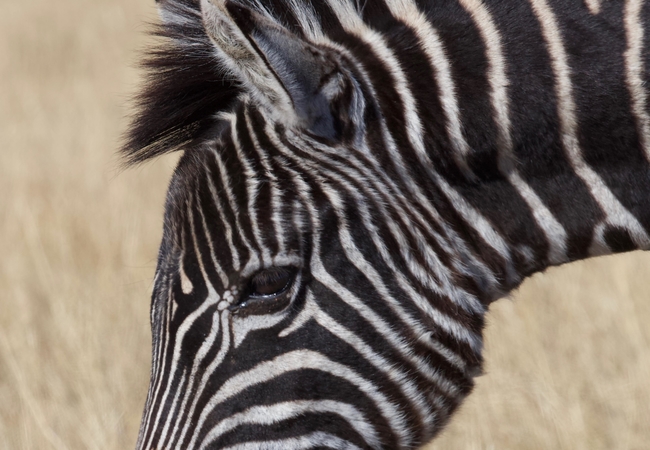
(568, 357)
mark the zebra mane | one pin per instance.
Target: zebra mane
(185, 88)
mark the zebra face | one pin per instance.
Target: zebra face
(273, 320)
(294, 301)
(267, 324)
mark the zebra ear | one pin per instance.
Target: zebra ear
(300, 83)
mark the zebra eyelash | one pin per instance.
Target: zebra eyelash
(277, 280)
(268, 291)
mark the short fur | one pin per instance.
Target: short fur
(404, 163)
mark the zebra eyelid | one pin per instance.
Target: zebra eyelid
(254, 303)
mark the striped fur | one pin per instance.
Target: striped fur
(409, 162)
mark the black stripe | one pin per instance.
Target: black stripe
(535, 127)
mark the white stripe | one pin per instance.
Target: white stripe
(484, 228)
(593, 6)
(225, 180)
(242, 325)
(217, 267)
(228, 229)
(616, 214)
(555, 233)
(209, 371)
(301, 360)
(252, 190)
(273, 414)
(186, 284)
(317, 439)
(276, 195)
(156, 378)
(172, 408)
(634, 71)
(306, 17)
(433, 47)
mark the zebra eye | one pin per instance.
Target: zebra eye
(270, 282)
(264, 293)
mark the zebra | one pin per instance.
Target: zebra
(359, 181)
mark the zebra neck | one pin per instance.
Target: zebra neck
(533, 147)
(534, 215)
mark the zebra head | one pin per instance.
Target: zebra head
(307, 293)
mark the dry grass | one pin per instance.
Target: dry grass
(568, 362)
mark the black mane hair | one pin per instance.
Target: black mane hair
(184, 89)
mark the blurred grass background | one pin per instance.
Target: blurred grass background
(568, 357)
